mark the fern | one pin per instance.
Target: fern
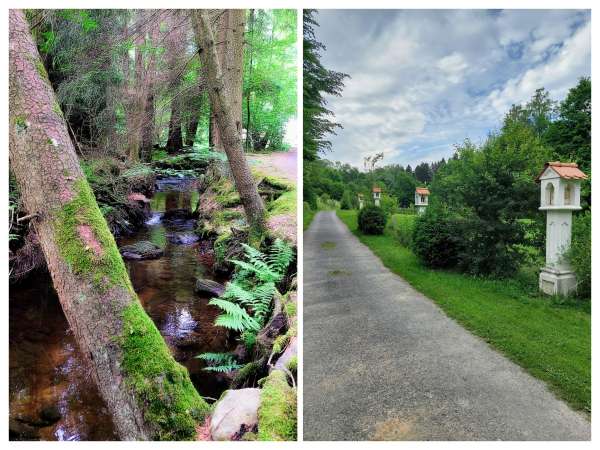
(247, 300)
(280, 256)
(219, 362)
(234, 317)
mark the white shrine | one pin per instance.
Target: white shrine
(421, 199)
(560, 185)
(376, 195)
(361, 201)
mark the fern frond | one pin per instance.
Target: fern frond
(235, 317)
(261, 270)
(280, 256)
(219, 362)
(236, 292)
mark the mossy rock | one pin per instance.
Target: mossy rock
(277, 414)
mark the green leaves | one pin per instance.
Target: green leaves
(219, 362)
(234, 317)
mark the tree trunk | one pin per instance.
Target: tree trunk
(226, 118)
(147, 131)
(148, 394)
(191, 129)
(249, 93)
(175, 140)
(136, 107)
(230, 53)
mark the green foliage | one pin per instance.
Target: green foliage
(580, 253)
(491, 188)
(437, 237)
(168, 397)
(246, 302)
(269, 90)
(308, 215)
(371, 220)
(219, 362)
(318, 82)
(402, 228)
(551, 340)
(348, 201)
(277, 415)
(570, 135)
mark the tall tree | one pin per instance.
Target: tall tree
(231, 25)
(318, 82)
(223, 108)
(571, 134)
(149, 395)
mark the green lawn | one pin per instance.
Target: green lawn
(549, 338)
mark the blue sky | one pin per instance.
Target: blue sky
(423, 81)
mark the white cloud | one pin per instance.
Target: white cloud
(425, 80)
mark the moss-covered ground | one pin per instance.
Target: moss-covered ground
(277, 411)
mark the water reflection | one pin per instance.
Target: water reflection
(46, 367)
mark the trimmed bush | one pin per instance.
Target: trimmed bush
(580, 253)
(402, 227)
(437, 238)
(371, 220)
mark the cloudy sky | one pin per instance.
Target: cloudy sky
(423, 81)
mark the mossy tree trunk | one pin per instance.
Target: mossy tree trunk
(225, 110)
(175, 140)
(149, 395)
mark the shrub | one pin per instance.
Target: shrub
(437, 238)
(402, 227)
(371, 220)
(347, 201)
(580, 253)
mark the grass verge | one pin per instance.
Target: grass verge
(550, 338)
(308, 214)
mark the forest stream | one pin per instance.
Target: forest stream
(51, 393)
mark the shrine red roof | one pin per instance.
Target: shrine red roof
(376, 189)
(422, 191)
(568, 171)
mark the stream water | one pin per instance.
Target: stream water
(47, 375)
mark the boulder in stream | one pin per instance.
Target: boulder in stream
(204, 286)
(235, 413)
(141, 250)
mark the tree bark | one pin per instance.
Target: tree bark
(175, 140)
(249, 93)
(148, 394)
(230, 53)
(191, 129)
(227, 119)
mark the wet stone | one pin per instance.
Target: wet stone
(204, 286)
(141, 250)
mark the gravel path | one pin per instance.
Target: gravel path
(382, 361)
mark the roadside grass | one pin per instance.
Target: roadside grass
(308, 214)
(548, 337)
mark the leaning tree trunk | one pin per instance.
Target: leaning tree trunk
(148, 394)
(226, 118)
